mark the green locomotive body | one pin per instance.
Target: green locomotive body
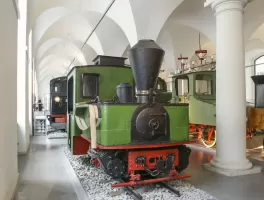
(123, 118)
(115, 128)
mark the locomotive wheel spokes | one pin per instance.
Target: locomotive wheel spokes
(209, 137)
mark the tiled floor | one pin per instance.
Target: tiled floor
(46, 174)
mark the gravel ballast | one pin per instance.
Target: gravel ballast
(97, 184)
(57, 135)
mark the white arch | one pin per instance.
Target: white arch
(121, 13)
(45, 20)
(254, 44)
(37, 7)
(68, 27)
(165, 42)
(258, 33)
(149, 26)
(110, 34)
(193, 14)
(52, 62)
(60, 47)
(59, 70)
(254, 17)
(47, 17)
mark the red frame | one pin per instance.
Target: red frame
(133, 166)
(81, 146)
(139, 146)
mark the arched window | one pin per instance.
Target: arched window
(259, 65)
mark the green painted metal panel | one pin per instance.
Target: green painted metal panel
(110, 77)
(202, 112)
(115, 126)
(179, 122)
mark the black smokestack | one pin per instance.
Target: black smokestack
(146, 58)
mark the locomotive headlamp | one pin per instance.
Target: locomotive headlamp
(57, 99)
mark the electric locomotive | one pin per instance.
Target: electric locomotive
(116, 115)
(58, 103)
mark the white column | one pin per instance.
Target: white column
(22, 81)
(230, 156)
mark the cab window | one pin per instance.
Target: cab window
(204, 84)
(182, 86)
(90, 85)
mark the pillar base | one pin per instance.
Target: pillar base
(244, 164)
(233, 172)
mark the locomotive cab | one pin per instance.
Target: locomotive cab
(200, 85)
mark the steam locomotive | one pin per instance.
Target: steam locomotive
(58, 103)
(127, 126)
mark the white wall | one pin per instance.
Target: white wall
(250, 88)
(250, 58)
(44, 87)
(8, 106)
(30, 84)
(22, 82)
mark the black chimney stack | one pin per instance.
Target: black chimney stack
(146, 58)
(259, 90)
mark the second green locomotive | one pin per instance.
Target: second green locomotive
(198, 89)
(116, 116)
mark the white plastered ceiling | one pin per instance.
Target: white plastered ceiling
(60, 29)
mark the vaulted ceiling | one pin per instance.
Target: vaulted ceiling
(60, 30)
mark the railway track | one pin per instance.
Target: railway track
(136, 196)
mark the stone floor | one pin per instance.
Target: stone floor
(46, 174)
(223, 187)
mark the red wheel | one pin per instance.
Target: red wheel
(209, 137)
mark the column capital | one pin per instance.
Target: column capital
(225, 5)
